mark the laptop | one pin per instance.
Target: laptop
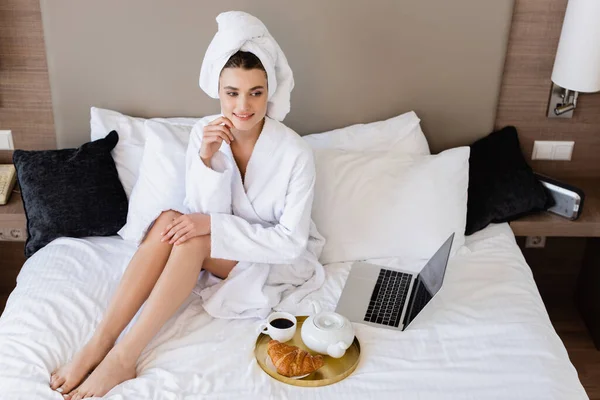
(389, 298)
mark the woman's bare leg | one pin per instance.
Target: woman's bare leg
(173, 287)
(135, 286)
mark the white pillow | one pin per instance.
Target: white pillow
(128, 151)
(382, 204)
(401, 134)
(161, 182)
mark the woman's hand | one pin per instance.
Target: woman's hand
(212, 137)
(185, 227)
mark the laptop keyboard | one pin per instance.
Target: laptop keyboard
(387, 300)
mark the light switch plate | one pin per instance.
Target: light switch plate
(542, 150)
(563, 151)
(6, 140)
(552, 150)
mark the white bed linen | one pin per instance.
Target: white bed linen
(485, 336)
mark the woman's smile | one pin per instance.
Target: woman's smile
(243, 116)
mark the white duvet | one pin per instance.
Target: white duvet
(486, 335)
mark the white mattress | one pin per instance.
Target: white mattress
(486, 335)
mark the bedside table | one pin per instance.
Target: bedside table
(587, 293)
(13, 224)
(13, 232)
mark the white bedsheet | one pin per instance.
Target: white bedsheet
(486, 335)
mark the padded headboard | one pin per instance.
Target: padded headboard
(353, 61)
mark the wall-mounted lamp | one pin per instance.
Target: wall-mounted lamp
(577, 63)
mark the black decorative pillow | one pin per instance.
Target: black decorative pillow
(502, 186)
(70, 192)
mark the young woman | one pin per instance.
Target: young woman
(249, 189)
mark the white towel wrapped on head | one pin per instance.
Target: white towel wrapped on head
(241, 31)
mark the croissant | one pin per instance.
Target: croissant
(291, 360)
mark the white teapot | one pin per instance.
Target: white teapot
(327, 332)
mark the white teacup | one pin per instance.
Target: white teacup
(277, 325)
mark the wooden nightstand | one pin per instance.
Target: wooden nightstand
(13, 224)
(587, 293)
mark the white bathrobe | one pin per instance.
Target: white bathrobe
(264, 223)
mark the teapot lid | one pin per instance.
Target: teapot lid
(329, 321)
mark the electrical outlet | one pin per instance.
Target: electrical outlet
(11, 234)
(6, 140)
(535, 242)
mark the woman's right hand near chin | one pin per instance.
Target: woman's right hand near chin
(212, 137)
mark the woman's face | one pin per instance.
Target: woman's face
(243, 95)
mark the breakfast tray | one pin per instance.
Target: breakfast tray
(334, 370)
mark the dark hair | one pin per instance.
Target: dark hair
(245, 60)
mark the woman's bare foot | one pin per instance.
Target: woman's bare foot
(65, 378)
(116, 367)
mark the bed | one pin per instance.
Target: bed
(485, 335)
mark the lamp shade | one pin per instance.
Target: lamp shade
(577, 63)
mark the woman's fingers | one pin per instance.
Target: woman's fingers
(172, 228)
(172, 224)
(213, 136)
(180, 233)
(172, 233)
(221, 120)
(211, 130)
(183, 238)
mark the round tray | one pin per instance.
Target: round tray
(334, 370)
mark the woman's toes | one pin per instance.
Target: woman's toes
(65, 388)
(71, 396)
(57, 382)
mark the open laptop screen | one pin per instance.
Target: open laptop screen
(429, 281)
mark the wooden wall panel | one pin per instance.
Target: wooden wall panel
(25, 100)
(25, 103)
(526, 84)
